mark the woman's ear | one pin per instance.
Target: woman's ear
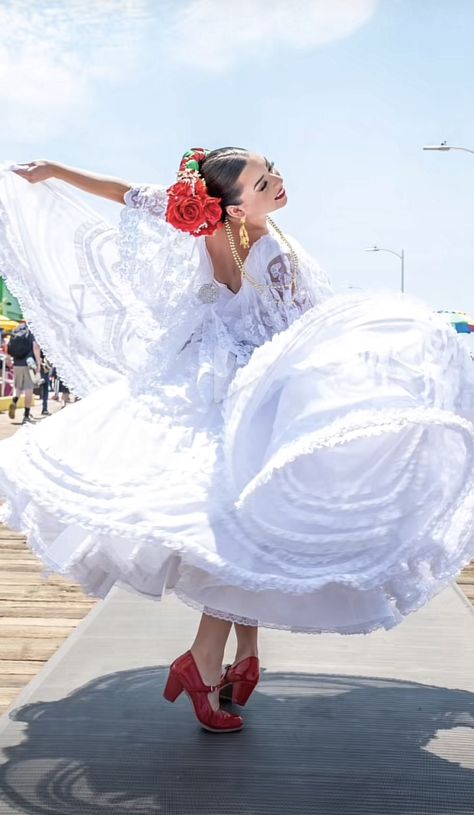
(235, 212)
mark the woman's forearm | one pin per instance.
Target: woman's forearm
(105, 186)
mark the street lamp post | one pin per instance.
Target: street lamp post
(400, 255)
(444, 147)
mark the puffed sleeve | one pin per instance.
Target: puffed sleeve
(151, 198)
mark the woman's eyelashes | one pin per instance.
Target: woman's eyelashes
(270, 168)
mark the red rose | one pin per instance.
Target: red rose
(213, 210)
(180, 188)
(212, 216)
(185, 212)
(191, 209)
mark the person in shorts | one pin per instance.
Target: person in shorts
(25, 352)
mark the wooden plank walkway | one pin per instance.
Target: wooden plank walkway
(37, 614)
(466, 581)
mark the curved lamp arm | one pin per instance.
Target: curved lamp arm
(443, 148)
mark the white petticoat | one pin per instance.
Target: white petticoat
(333, 492)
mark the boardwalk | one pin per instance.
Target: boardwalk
(378, 725)
(466, 581)
(37, 614)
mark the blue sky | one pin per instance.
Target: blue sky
(342, 94)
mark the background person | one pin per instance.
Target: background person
(21, 347)
(8, 370)
(45, 374)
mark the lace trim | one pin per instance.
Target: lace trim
(161, 267)
(360, 424)
(442, 564)
(385, 622)
(152, 198)
(415, 603)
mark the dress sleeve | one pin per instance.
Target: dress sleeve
(150, 198)
(58, 257)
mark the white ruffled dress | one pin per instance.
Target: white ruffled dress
(304, 465)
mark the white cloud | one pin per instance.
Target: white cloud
(55, 53)
(51, 55)
(215, 34)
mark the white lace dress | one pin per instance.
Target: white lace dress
(305, 465)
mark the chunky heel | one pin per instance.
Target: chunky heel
(239, 681)
(173, 688)
(225, 693)
(241, 691)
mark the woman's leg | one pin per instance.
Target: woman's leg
(247, 642)
(45, 391)
(242, 676)
(208, 651)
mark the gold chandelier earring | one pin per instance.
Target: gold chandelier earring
(243, 235)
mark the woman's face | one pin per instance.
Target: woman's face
(262, 189)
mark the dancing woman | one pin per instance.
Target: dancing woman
(274, 454)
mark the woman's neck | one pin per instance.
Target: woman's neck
(255, 229)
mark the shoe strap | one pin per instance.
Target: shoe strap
(207, 688)
(203, 688)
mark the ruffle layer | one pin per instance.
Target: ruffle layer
(98, 562)
(336, 495)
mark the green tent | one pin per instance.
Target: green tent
(9, 305)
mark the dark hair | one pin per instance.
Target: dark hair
(220, 170)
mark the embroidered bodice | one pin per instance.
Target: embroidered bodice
(215, 329)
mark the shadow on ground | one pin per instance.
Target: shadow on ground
(313, 744)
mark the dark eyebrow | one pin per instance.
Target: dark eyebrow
(262, 177)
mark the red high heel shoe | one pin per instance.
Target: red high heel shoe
(239, 681)
(184, 676)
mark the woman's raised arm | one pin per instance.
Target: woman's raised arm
(105, 186)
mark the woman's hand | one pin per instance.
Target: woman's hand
(105, 186)
(35, 171)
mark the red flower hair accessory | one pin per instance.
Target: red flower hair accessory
(190, 208)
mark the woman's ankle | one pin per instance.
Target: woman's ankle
(209, 664)
(245, 653)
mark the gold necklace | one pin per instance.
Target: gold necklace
(294, 264)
